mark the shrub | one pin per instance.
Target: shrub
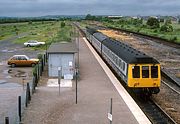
(153, 23)
(63, 24)
(166, 28)
(174, 38)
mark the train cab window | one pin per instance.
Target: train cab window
(136, 71)
(145, 71)
(154, 71)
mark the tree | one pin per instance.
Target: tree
(161, 20)
(168, 21)
(90, 17)
(153, 23)
(63, 24)
(166, 28)
(30, 22)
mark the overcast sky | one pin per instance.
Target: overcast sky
(34, 8)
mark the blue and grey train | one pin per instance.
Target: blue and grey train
(138, 71)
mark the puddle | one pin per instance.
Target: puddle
(3, 63)
(5, 71)
(2, 81)
(20, 74)
(9, 85)
(8, 77)
(7, 51)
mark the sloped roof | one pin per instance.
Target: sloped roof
(63, 47)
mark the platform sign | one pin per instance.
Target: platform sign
(110, 116)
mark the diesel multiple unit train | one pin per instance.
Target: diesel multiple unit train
(138, 71)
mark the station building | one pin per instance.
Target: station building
(61, 56)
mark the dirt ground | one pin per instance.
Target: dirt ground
(12, 80)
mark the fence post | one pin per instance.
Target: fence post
(33, 84)
(6, 120)
(41, 68)
(28, 95)
(44, 59)
(19, 108)
(42, 65)
(38, 71)
(29, 92)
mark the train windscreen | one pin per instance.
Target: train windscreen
(154, 71)
(136, 72)
(145, 71)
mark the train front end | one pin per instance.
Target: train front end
(146, 77)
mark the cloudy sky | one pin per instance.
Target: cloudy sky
(33, 8)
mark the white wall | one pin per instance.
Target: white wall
(65, 61)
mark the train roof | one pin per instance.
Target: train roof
(127, 53)
(124, 51)
(91, 30)
(100, 36)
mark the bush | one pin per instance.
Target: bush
(34, 71)
(174, 38)
(166, 28)
(40, 56)
(63, 24)
(153, 23)
(155, 31)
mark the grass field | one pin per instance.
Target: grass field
(41, 31)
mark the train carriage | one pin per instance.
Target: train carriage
(136, 69)
(89, 33)
(97, 39)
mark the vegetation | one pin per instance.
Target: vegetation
(45, 31)
(162, 28)
(153, 23)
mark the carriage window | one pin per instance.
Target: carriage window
(119, 63)
(154, 71)
(136, 71)
(123, 66)
(145, 71)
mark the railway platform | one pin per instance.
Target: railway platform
(96, 86)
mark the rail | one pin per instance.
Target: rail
(155, 113)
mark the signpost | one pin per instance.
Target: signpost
(110, 114)
(59, 77)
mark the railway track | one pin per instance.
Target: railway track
(170, 78)
(150, 108)
(171, 87)
(155, 113)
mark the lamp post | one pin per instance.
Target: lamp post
(76, 71)
(78, 49)
(59, 77)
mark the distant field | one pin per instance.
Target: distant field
(41, 31)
